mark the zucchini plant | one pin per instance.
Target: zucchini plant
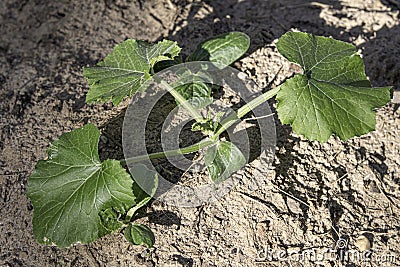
(78, 198)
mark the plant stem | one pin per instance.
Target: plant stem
(185, 103)
(226, 123)
(186, 150)
(234, 117)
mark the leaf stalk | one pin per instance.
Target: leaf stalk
(226, 123)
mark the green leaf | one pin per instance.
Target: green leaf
(198, 94)
(139, 234)
(194, 86)
(222, 160)
(223, 49)
(210, 124)
(110, 219)
(334, 95)
(76, 197)
(124, 70)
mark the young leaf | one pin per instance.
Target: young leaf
(194, 87)
(124, 70)
(222, 160)
(75, 196)
(110, 219)
(333, 95)
(222, 49)
(210, 124)
(139, 234)
(197, 93)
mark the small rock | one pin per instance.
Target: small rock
(294, 206)
(396, 96)
(363, 243)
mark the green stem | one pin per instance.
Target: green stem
(234, 117)
(185, 103)
(186, 150)
(226, 123)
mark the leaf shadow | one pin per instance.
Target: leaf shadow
(263, 21)
(153, 138)
(167, 218)
(110, 143)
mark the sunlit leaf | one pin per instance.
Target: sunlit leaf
(76, 197)
(223, 159)
(222, 49)
(139, 234)
(125, 69)
(333, 95)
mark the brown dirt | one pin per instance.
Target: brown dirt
(316, 193)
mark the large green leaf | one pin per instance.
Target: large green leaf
(223, 159)
(76, 197)
(139, 234)
(124, 70)
(333, 95)
(222, 49)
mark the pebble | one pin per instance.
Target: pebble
(363, 243)
(396, 97)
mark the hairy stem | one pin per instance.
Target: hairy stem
(185, 104)
(226, 123)
(234, 117)
(186, 150)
